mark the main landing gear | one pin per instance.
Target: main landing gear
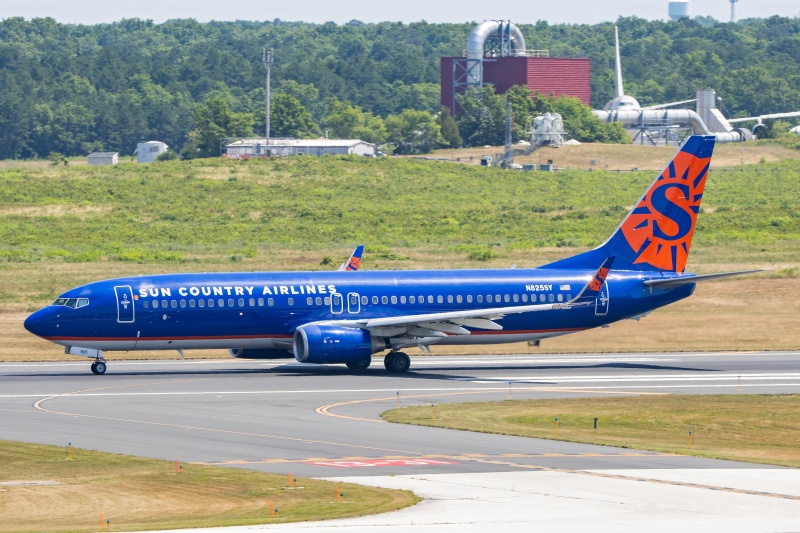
(397, 362)
(99, 367)
(360, 365)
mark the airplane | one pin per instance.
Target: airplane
(336, 317)
(354, 261)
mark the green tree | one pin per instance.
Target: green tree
(447, 124)
(288, 118)
(352, 122)
(213, 121)
(481, 120)
(413, 132)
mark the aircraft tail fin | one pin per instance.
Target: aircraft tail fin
(657, 234)
(355, 259)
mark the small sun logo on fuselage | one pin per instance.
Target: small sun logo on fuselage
(659, 230)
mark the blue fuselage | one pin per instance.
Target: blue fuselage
(263, 310)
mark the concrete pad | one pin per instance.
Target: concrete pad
(579, 501)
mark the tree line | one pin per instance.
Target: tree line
(76, 88)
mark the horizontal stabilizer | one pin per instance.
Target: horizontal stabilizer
(683, 280)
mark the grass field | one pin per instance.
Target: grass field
(64, 226)
(135, 493)
(752, 428)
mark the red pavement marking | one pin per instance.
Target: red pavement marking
(381, 462)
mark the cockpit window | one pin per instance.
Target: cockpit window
(73, 303)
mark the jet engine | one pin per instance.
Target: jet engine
(251, 353)
(334, 344)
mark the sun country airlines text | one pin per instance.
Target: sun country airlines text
(235, 290)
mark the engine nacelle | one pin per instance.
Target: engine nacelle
(252, 353)
(334, 344)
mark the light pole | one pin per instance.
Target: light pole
(267, 64)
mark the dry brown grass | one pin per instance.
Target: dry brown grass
(136, 493)
(627, 157)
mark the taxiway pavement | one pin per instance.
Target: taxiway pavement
(324, 422)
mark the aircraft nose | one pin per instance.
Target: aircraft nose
(37, 322)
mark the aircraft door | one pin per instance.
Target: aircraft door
(353, 303)
(603, 300)
(125, 310)
(337, 303)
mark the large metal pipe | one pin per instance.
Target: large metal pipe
(681, 117)
(477, 40)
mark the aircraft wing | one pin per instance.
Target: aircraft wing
(683, 280)
(432, 325)
(355, 259)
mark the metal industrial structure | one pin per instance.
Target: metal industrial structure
(256, 148)
(680, 10)
(660, 122)
(147, 152)
(268, 60)
(496, 55)
(733, 10)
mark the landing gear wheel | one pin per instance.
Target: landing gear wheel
(99, 367)
(397, 362)
(359, 365)
(94, 368)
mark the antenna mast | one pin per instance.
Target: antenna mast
(733, 10)
(267, 58)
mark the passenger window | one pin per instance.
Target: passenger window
(550, 297)
(220, 303)
(291, 301)
(261, 302)
(191, 303)
(319, 300)
(439, 299)
(271, 302)
(211, 303)
(459, 299)
(560, 297)
(525, 298)
(394, 300)
(402, 299)
(174, 304)
(364, 300)
(541, 297)
(327, 300)
(449, 298)
(469, 298)
(183, 304)
(480, 298)
(164, 304)
(145, 304)
(516, 297)
(201, 303)
(374, 300)
(252, 302)
(506, 298)
(241, 302)
(309, 301)
(412, 299)
(489, 298)
(497, 298)
(384, 300)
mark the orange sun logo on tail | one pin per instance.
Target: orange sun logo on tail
(660, 228)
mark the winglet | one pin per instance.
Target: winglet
(355, 259)
(592, 289)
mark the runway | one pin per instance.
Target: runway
(324, 422)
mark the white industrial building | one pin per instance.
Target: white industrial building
(247, 148)
(147, 152)
(104, 158)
